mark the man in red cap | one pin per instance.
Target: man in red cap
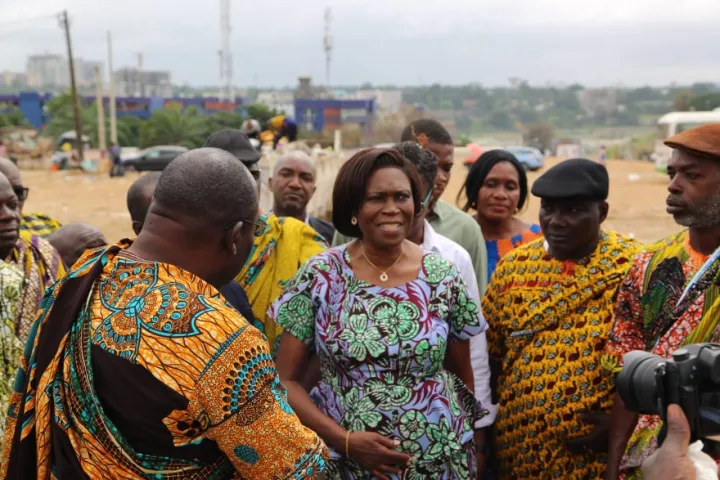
(656, 311)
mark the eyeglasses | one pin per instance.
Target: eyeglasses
(426, 202)
(21, 192)
(259, 227)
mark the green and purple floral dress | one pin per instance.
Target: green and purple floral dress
(382, 352)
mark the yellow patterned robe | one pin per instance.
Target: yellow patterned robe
(149, 324)
(549, 321)
(277, 255)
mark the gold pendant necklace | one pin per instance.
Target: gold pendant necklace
(383, 274)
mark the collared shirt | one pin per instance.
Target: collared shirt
(449, 250)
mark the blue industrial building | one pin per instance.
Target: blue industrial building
(316, 115)
(32, 104)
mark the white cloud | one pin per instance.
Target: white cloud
(591, 41)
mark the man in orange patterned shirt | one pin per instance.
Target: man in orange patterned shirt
(139, 368)
(656, 311)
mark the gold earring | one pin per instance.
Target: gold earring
(353, 220)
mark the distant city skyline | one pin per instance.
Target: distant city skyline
(595, 43)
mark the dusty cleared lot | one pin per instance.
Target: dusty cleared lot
(637, 199)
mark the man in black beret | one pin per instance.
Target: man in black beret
(573, 205)
(550, 306)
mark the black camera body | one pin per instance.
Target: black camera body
(648, 384)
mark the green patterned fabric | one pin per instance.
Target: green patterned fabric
(11, 284)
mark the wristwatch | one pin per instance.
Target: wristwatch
(484, 449)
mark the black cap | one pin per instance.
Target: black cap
(235, 142)
(576, 178)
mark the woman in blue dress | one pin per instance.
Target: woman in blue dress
(390, 324)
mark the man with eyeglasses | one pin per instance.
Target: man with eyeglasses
(283, 246)
(34, 223)
(37, 260)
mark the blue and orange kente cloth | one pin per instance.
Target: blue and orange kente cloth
(496, 249)
(137, 369)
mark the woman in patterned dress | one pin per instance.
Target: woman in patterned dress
(389, 322)
(497, 189)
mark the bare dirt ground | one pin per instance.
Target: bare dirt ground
(637, 199)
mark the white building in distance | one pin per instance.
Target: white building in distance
(386, 101)
(85, 72)
(47, 70)
(133, 82)
(282, 102)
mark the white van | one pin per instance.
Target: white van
(674, 123)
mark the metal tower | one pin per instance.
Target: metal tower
(226, 71)
(328, 45)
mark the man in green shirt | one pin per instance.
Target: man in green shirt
(445, 219)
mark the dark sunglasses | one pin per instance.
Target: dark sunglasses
(259, 227)
(21, 192)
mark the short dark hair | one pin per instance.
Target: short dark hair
(481, 169)
(208, 185)
(432, 129)
(425, 162)
(137, 201)
(351, 184)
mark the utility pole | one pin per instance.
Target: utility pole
(113, 113)
(65, 23)
(100, 112)
(226, 66)
(328, 45)
(140, 74)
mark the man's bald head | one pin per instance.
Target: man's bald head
(293, 184)
(202, 216)
(12, 173)
(295, 156)
(139, 196)
(71, 240)
(209, 186)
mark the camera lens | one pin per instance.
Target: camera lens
(636, 382)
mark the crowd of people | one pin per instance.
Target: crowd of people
(429, 342)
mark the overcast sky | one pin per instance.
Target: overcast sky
(594, 42)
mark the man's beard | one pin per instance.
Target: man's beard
(703, 214)
(291, 210)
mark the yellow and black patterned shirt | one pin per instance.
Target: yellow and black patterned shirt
(39, 224)
(549, 321)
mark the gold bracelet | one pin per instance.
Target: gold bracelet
(347, 444)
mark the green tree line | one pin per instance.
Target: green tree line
(170, 126)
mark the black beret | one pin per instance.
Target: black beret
(235, 142)
(576, 178)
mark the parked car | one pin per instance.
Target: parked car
(531, 158)
(153, 158)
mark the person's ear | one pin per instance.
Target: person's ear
(232, 238)
(137, 226)
(604, 208)
(270, 183)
